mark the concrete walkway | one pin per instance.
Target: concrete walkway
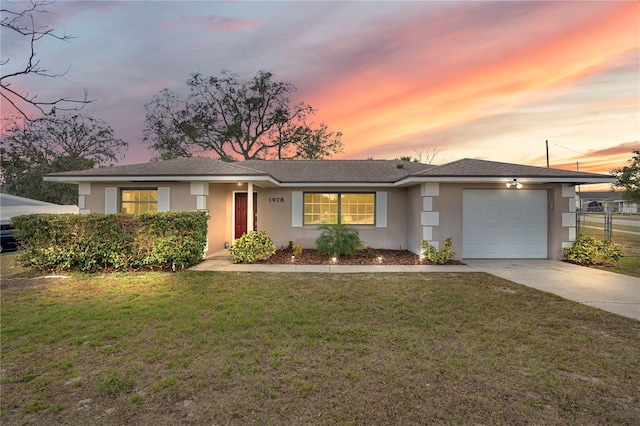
(616, 293)
(223, 265)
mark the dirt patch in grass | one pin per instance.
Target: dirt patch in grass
(364, 257)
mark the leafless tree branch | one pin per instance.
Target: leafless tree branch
(23, 22)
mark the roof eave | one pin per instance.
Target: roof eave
(335, 184)
(505, 179)
(264, 179)
(164, 178)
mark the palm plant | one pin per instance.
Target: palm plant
(338, 239)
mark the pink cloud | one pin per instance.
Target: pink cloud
(148, 89)
(221, 24)
(380, 104)
(214, 24)
(622, 149)
(596, 161)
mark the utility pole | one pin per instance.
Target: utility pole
(579, 191)
(547, 143)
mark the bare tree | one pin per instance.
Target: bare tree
(427, 154)
(234, 118)
(22, 20)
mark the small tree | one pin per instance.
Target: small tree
(628, 177)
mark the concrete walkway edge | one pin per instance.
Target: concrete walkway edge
(331, 269)
(616, 293)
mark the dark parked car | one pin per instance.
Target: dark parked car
(7, 243)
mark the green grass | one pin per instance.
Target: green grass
(251, 348)
(628, 265)
(629, 243)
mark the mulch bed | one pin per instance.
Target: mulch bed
(365, 257)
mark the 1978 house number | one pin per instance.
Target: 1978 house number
(276, 199)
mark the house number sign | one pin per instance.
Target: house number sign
(276, 199)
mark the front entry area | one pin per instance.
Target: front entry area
(504, 224)
(240, 213)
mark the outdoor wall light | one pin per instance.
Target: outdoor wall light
(515, 183)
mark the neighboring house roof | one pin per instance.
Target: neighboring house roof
(601, 196)
(8, 200)
(12, 205)
(327, 172)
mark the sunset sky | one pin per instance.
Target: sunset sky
(487, 80)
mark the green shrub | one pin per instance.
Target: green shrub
(295, 249)
(93, 242)
(338, 239)
(251, 247)
(440, 257)
(589, 251)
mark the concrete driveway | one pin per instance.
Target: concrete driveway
(609, 291)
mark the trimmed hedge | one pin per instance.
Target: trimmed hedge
(94, 242)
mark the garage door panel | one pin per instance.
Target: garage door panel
(504, 223)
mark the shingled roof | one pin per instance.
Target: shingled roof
(325, 171)
(468, 167)
(193, 166)
(332, 171)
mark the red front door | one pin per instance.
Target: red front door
(241, 214)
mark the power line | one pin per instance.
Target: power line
(569, 149)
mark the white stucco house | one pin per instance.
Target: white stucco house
(489, 209)
(609, 201)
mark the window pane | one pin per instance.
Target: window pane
(320, 208)
(357, 209)
(136, 201)
(354, 208)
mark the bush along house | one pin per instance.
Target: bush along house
(489, 209)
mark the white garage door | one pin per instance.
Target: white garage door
(504, 224)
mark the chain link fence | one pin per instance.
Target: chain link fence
(619, 228)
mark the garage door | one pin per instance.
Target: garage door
(504, 224)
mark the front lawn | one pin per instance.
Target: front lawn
(628, 265)
(254, 348)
